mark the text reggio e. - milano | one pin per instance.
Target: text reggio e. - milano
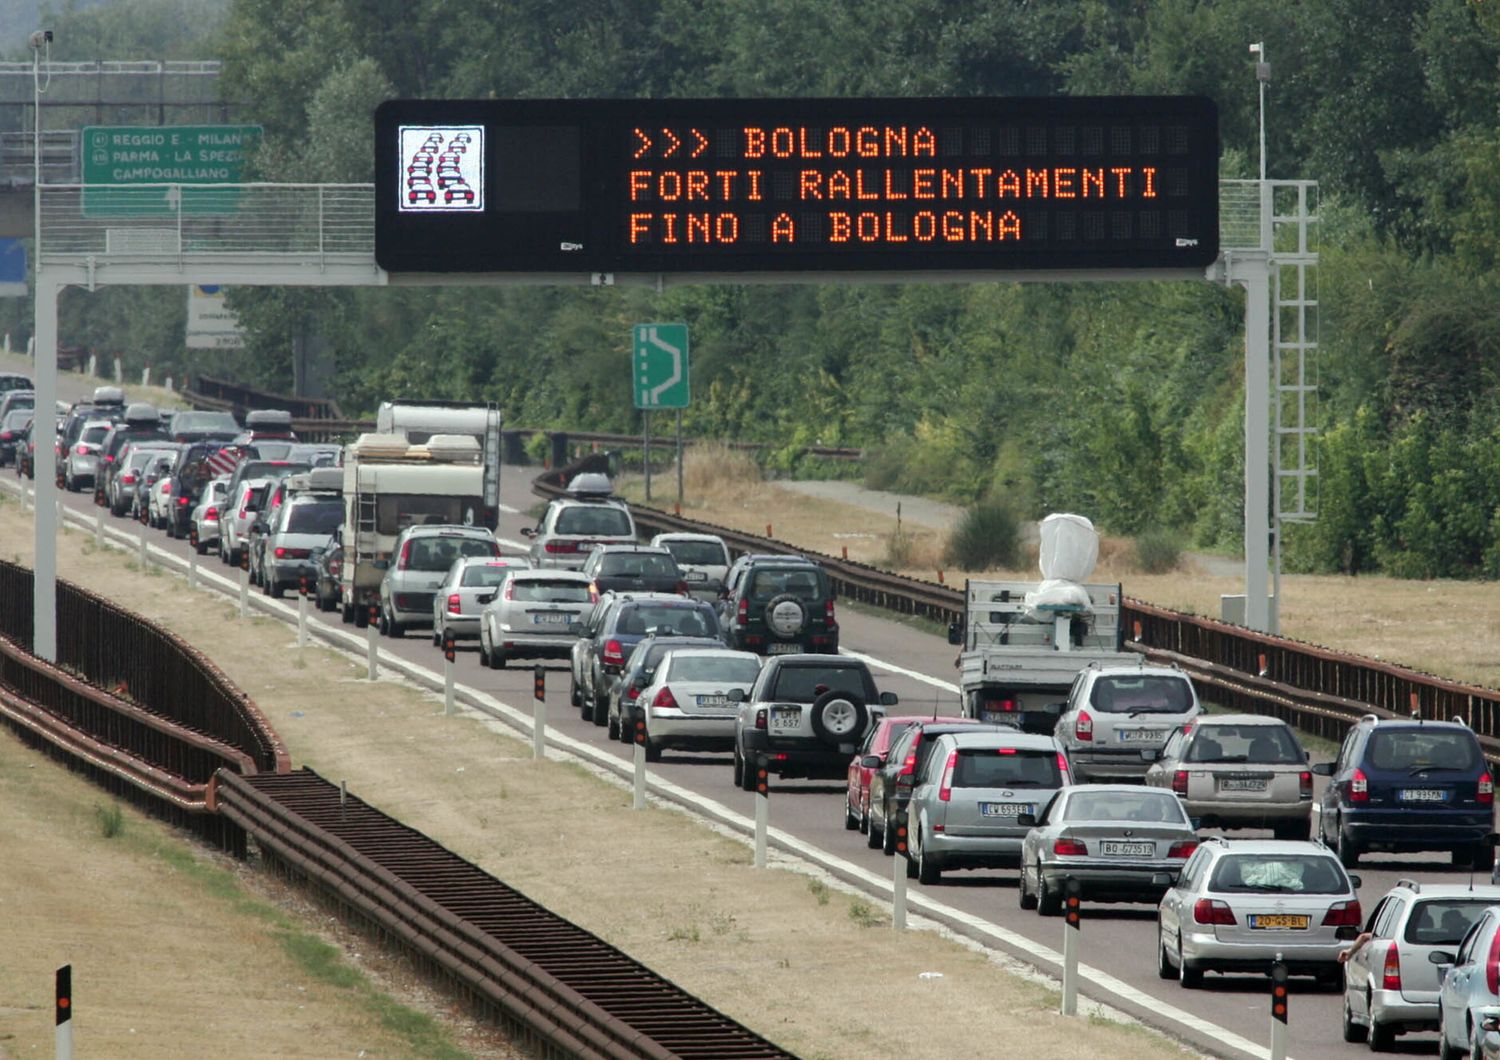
(869, 185)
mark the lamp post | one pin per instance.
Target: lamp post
(44, 424)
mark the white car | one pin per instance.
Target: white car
(687, 704)
(234, 525)
(204, 533)
(469, 582)
(703, 560)
(532, 615)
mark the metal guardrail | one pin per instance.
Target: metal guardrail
(222, 394)
(1319, 690)
(566, 991)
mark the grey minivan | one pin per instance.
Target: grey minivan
(423, 557)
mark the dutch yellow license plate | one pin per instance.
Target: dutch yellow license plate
(1279, 920)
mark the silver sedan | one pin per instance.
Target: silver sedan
(1120, 842)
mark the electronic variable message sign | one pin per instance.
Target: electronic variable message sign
(799, 186)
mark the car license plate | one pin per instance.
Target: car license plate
(554, 618)
(1285, 921)
(1138, 735)
(1423, 795)
(1241, 784)
(1005, 809)
(776, 648)
(785, 720)
(713, 701)
(697, 576)
(1127, 850)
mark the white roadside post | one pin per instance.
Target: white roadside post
(1071, 929)
(244, 582)
(1279, 1006)
(450, 655)
(762, 810)
(898, 881)
(638, 802)
(538, 713)
(193, 567)
(302, 611)
(98, 526)
(141, 543)
(371, 632)
(64, 1010)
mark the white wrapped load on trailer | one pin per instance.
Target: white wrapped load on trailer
(1069, 553)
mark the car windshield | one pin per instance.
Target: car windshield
(205, 421)
(1279, 874)
(1444, 921)
(1418, 750)
(698, 553)
(642, 619)
(803, 684)
(323, 518)
(17, 418)
(714, 668)
(138, 458)
(1143, 694)
(486, 575)
(22, 401)
(92, 435)
(272, 450)
(551, 591)
(1006, 767)
(800, 582)
(1145, 807)
(438, 553)
(593, 519)
(637, 564)
(1257, 744)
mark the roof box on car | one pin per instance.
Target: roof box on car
(141, 414)
(108, 395)
(327, 479)
(591, 484)
(268, 420)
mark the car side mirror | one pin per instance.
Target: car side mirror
(1489, 1018)
(1196, 822)
(486, 598)
(317, 553)
(736, 695)
(1307, 756)
(578, 629)
(382, 564)
(1354, 880)
(871, 762)
(1150, 754)
(1054, 708)
(1026, 820)
(1440, 957)
(889, 699)
(527, 531)
(1491, 840)
(1323, 769)
(955, 634)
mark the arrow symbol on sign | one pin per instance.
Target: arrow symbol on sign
(645, 143)
(676, 143)
(702, 142)
(653, 396)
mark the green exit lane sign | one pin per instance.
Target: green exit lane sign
(122, 156)
(659, 366)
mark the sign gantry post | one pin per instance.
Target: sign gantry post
(659, 378)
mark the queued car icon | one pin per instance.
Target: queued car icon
(461, 138)
(423, 168)
(448, 180)
(415, 195)
(459, 193)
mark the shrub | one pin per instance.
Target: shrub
(111, 820)
(885, 467)
(1157, 552)
(987, 535)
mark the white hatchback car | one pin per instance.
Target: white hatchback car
(687, 706)
(703, 560)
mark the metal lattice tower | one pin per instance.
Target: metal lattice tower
(1294, 348)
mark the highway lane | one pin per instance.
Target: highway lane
(1117, 939)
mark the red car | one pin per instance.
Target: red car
(863, 765)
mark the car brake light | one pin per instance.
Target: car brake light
(1083, 728)
(760, 718)
(78, 450)
(1359, 787)
(510, 589)
(1343, 914)
(593, 593)
(630, 692)
(281, 553)
(1007, 706)
(182, 500)
(1180, 782)
(828, 615)
(1005, 750)
(614, 653)
(559, 546)
(211, 516)
(742, 615)
(1304, 784)
(682, 588)
(405, 554)
(1485, 792)
(1182, 849)
(1212, 911)
(127, 477)
(1492, 965)
(1391, 974)
(945, 789)
(1070, 848)
(453, 604)
(664, 698)
(1063, 768)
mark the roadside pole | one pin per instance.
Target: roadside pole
(1279, 1005)
(538, 713)
(646, 450)
(898, 881)
(450, 654)
(301, 610)
(64, 1013)
(679, 461)
(762, 811)
(371, 650)
(244, 583)
(98, 527)
(142, 541)
(193, 567)
(1071, 929)
(639, 800)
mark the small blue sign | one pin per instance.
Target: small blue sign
(12, 268)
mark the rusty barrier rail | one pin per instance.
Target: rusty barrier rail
(1319, 690)
(565, 991)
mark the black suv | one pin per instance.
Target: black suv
(616, 625)
(1408, 785)
(805, 717)
(194, 470)
(779, 605)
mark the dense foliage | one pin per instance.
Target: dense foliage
(1121, 401)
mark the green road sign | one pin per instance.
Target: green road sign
(659, 366)
(124, 155)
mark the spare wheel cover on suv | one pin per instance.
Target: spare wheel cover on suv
(786, 616)
(839, 717)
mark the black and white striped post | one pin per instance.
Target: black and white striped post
(898, 879)
(302, 611)
(762, 809)
(538, 713)
(1279, 1005)
(1072, 925)
(64, 1010)
(450, 656)
(638, 800)
(372, 630)
(244, 582)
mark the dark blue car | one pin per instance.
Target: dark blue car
(617, 624)
(1407, 786)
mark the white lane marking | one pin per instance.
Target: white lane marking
(508, 510)
(714, 810)
(881, 664)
